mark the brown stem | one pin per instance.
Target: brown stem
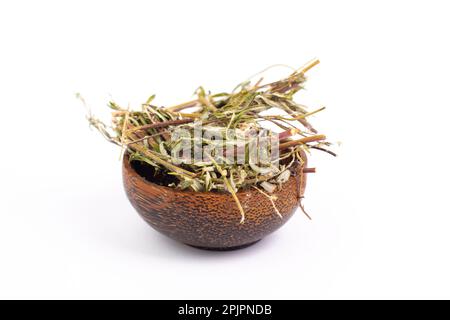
(239, 150)
(309, 170)
(304, 140)
(286, 134)
(325, 150)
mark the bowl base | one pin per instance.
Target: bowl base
(225, 248)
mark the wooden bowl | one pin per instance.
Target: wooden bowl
(210, 220)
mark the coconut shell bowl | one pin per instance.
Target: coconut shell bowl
(211, 220)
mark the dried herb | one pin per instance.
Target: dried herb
(151, 135)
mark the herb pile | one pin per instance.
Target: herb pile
(150, 135)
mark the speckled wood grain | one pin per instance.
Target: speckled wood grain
(210, 220)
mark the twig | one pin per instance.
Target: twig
(182, 106)
(324, 150)
(302, 141)
(271, 201)
(162, 124)
(141, 149)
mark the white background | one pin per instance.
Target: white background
(380, 210)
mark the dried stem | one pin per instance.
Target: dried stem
(147, 135)
(304, 140)
(162, 124)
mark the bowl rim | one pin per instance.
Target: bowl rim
(129, 170)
